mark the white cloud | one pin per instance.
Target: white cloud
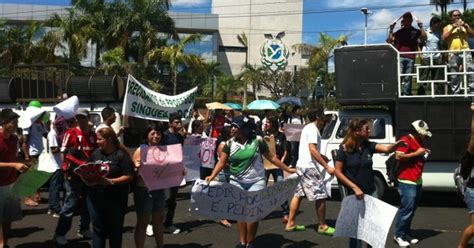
(186, 3)
(207, 56)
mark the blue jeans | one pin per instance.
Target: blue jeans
(277, 175)
(71, 202)
(224, 175)
(409, 197)
(406, 66)
(55, 188)
(107, 208)
(357, 243)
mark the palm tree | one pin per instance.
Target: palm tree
(242, 38)
(73, 29)
(253, 75)
(443, 4)
(174, 55)
(227, 85)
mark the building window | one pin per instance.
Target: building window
(232, 49)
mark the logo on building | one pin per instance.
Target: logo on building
(274, 52)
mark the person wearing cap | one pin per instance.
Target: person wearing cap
(10, 207)
(406, 40)
(467, 162)
(411, 160)
(243, 153)
(78, 144)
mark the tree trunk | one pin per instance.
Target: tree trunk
(244, 103)
(175, 79)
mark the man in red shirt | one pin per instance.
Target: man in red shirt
(78, 144)
(411, 159)
(9, 169)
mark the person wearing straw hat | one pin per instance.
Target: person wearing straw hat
(10, 207)
(406, 40)
(411, 160)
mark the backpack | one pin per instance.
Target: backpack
(392, 170)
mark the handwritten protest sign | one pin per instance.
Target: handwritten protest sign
(162, 166)
(293, 131)
(192, 160)
(220, 200)
(208, 146)
(28, 183)
(270, 140)
(147, 104)
(368, 220)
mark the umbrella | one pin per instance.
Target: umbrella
(291, 100)
(235, 106)
(263, 104)
(217, 105)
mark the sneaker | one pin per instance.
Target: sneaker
(85, 234)
(172, 229)
(240, 245)
(55, 215)
(401, 242)
(60, 240)
(50, 212)
(149, 231)
(411, 239)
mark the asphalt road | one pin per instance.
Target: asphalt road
(438, 222)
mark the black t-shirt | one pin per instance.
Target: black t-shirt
(467, 162)
(358, 166)
(173, 138)
(280, 144)
(119, 162)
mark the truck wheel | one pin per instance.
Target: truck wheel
(380, 186)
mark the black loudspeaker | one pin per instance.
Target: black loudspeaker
(366, 74)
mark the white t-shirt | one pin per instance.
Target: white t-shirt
(309, 135)
(101, 125)
(35, 138)
(53, 142)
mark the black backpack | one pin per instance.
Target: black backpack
(392, 170)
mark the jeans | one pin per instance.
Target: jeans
(409, 197)
(71, 202)
(357, 243)
(107, 208)
(277, 175)
(170, 206)
(224, 175)
(406, 66)
(454, 65)
(55, 188)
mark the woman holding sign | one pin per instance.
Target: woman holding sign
(354, 162)
(244, 154)
(148, 203)
(107, 200)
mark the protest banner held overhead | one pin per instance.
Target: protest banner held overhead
(219, 200)
(162, 166)
(144, 103)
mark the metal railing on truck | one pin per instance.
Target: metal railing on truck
(428, 63)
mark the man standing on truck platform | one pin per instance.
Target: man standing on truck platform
(456, 37)
(411, 159)
(406, 40)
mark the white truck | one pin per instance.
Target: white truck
(366, 85)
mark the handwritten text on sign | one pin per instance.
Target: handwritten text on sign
(220, 200)
(208, 146)
(368, 219)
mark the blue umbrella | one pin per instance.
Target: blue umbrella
(263, 105)
(293, 100)
(235, 106)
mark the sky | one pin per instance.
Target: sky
(334, 17)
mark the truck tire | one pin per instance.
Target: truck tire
(380, 186)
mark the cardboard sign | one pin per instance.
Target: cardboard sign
(270, 140)
(293, 131)
(220, 200)
(162, 166)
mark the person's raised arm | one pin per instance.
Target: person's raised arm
(391, 36)
(380, 148)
